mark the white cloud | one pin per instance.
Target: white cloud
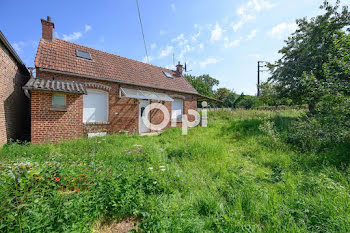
(255, 55)
(162, 32)
(87, 28)
(282, 30)
(180, 39)
(173, 7)
(195, 36)
(185, 50)
(252, 34)
(165, 52)
(208, 61)
(247, 12)
(217, 33)
(73, 36)
(18, 46)
(153, 45)
(231, 44)
(255, 6)
(144, 59)
(244, 19)
(201, 45)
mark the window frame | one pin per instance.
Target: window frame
(178, 118)
(107, 106)
(59, 107)
(79, 50)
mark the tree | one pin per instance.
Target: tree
(232, 100)
(269, 95)
(306, 52)
(204, 84)
(221, 93)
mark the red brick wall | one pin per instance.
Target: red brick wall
(14, 105)
(51, 125)
(123, 112)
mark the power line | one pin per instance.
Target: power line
(143, 35)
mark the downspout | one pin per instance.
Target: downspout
(26, 92)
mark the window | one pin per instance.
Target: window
(58, 102)
(176, 109)
(83, 54)
(167, 74)
(95, 106)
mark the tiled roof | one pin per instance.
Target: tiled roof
(44, 84)
(60, 55)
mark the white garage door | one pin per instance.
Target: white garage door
(95, 106)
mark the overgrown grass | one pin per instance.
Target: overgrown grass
(237, 175)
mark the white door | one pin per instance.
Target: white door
(142, 127)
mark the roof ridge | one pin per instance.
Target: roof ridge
(37, 56)
(114, 54)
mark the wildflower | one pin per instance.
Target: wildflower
(56, 179)
(154, 182)
(150, 168)
(162, 169)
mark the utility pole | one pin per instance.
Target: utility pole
(258, 79)
(260, 66)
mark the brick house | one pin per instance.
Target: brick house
(14, 105)
(81, 91)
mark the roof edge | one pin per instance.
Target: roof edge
(113, 80)
(12, 51)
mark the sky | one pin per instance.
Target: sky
(222, 38)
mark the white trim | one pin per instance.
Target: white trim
(140, 118)
(142, 94)
(178, 96)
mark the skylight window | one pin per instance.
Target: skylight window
(83, 54)
(167, 74)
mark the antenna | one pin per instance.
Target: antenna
(186, 68)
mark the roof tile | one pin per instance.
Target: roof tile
(60, 55)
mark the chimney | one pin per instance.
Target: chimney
(179, 68)
(47, 28)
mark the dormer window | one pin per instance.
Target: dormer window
(83, 54)
(167, 74)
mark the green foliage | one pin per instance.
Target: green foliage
(306, 52)
(269, 95)
(204, 84)
(249, 102)
(315, 69)
(236, 175)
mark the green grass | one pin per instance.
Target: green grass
(237, 175)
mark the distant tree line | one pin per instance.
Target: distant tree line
(205, 85)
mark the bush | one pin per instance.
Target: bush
(328, 126)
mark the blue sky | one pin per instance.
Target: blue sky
(222, 38)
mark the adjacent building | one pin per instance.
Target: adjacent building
(14, 105)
